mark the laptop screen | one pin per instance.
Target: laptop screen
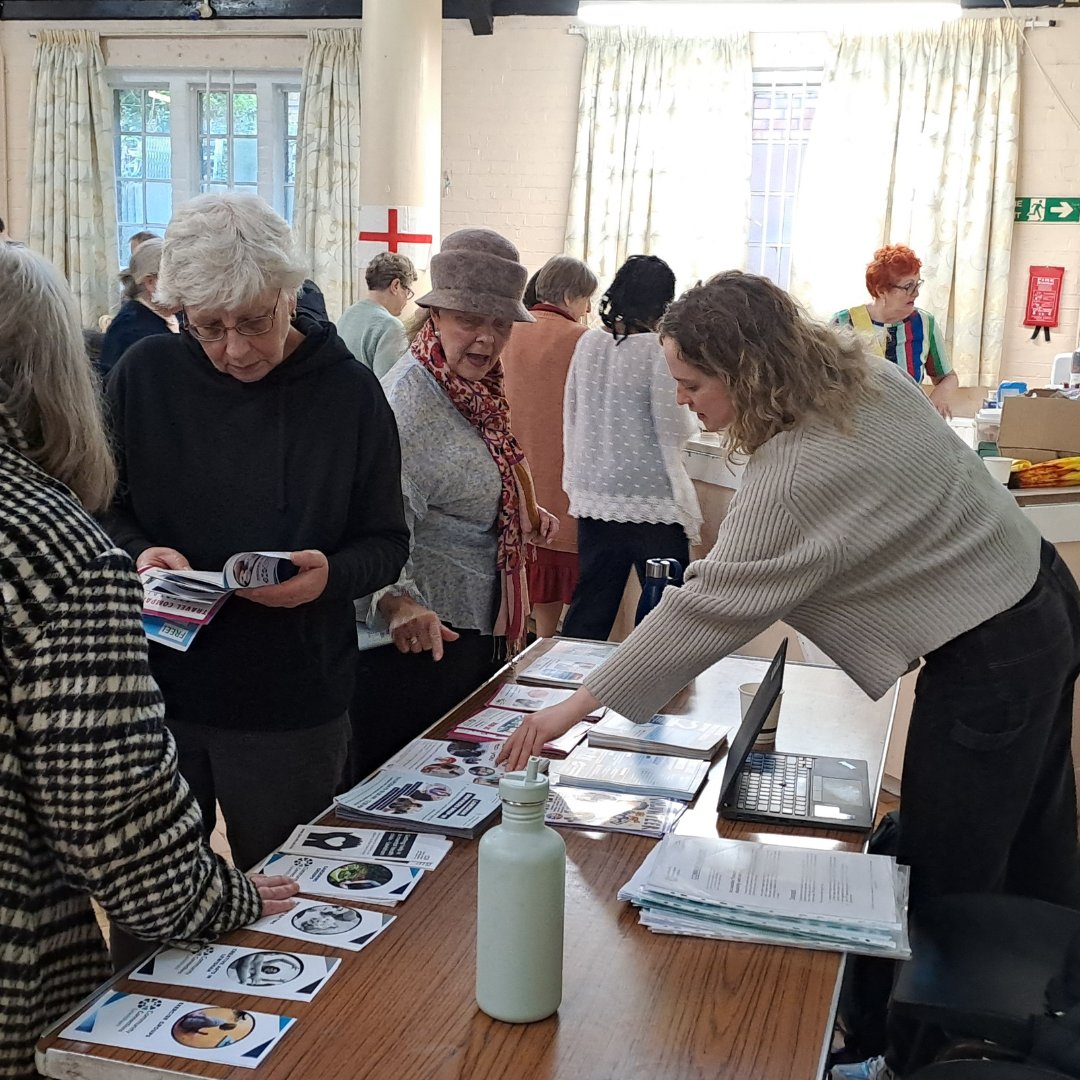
(754, 720)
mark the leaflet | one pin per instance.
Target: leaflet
(371, 882)
(530, 698)
(494, 725)
(566, 663)
(374, 845)
(184, 1029)
(287, 976)
(326, 924)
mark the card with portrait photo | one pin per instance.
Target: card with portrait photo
(316, 921)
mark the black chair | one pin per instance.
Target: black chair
(980, 971)
(984, 1070)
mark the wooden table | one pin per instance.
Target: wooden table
(636, 1005)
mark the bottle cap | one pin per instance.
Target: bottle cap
(657, 568)
(528, 786)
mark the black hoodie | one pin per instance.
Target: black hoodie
(307, 457)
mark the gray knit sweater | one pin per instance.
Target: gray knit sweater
(879, 544)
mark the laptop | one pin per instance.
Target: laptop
(792, 789)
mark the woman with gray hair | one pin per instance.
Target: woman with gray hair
(372, 328)
(140, 315)
(537, 360)
(276, 440)
(92, 805)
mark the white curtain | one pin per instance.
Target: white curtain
(72, 176)
(663, 152)
(916, 142)
(327, 215)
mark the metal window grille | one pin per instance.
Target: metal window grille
(143, 154)
(228, 140)
(784, 105)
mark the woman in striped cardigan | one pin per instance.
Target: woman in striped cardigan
(90, 800)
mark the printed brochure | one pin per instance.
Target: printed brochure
(320, 923)
(607, 811)
(567, 663)
(373, 845)
(369, 882)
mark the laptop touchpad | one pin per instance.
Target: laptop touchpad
(839, 790)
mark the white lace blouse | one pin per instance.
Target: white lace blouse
(623, 435)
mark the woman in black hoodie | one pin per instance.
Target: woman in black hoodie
(255, 429)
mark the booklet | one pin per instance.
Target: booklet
(521, 698)
(607, 811)
(288, 976)
(326, 924)
(370, 882)
(636, 774)
(567, 663)
(430, 786)
(494, 725)
(679, 736)
(372, 845)
(184, 1029)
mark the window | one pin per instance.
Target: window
(144, 191)
(784, 104)
(177, 136)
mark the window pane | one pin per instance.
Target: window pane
(158, 111)
(246, 161)
(290, 204)
(215, 189)
(130, 105)
(753, 258)
(158, 157)
(131, 155)
(290, 162)
(292, 124)
(246, 189)
(772, 221)
(245, 114)
(130, 208)
(757, 218)
(215, 160)
(158, 203)
(757, 166)
(214, 116)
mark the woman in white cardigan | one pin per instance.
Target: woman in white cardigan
(623, 434)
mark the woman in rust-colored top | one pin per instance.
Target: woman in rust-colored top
(535, 362)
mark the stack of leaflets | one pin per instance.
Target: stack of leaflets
(178, 603)
(606, 811)
(633, 774)
(429, 786)
(737, 890)
(494, 725)
(520, 698)
(679, 736)
(567, 663)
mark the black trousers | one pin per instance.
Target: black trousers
(989, 799)
(607, 550)
(398, 695)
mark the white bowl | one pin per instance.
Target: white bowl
(999, 468)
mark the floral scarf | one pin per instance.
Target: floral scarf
(483, 403)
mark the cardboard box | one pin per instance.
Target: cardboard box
(1039, 428)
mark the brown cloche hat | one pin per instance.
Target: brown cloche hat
(480, 272)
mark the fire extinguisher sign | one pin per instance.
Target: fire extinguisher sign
(1044, 295)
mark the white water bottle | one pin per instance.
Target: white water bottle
(520, 899)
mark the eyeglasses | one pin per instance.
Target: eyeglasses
(256, 327)
(409, 294)
(911, 288)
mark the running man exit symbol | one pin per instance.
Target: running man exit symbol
(1048, 209)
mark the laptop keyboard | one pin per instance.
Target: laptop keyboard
(775, 784)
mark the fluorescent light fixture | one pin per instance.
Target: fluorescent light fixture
(692, 17)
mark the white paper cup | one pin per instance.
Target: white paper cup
(767, 736)
(999, 468)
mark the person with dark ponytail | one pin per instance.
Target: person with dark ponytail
(623, 437)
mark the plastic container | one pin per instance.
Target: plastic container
(659, 574)
(964, 426)
(1011, 389)
(987, 425)
(520, 904)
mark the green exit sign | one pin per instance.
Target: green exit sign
(1047, 209)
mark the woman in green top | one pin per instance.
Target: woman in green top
(899, 331)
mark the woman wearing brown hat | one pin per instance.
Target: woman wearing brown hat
(461, 601)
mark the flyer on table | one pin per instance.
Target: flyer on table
(326, 924)
(370, 882)
(377, 845)
(186, 1029)
(264, 972)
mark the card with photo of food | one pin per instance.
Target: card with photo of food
(326, 924)
(362, 880)
(185, 1029)
(373, 845)
(566, 663)
(608, 811)
(262, 972)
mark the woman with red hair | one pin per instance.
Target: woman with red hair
(899, 331)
